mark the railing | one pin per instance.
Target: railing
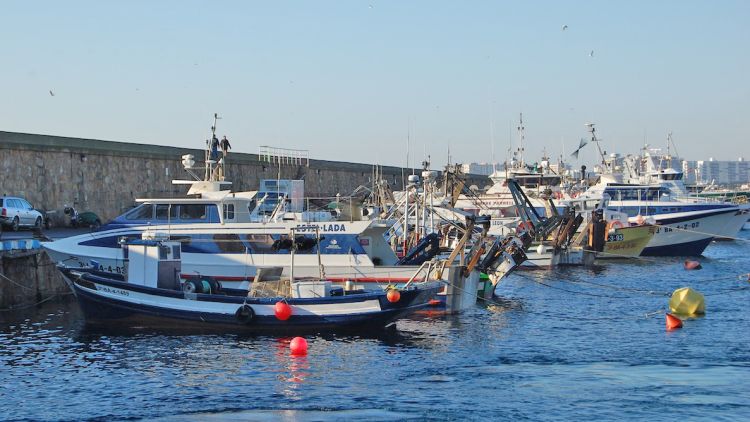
(284, 156)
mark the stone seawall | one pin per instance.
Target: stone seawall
(28, 278)
(105, 177)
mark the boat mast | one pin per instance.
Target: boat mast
(592, 131)
(209, 163)
(521, 137)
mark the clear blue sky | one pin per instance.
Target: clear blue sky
(348, 80)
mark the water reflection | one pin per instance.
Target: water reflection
(538, 348)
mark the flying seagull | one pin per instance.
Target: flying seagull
(591, 54)
(565, 27)
(52, 94)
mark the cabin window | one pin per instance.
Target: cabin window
(166, 211)
(229, 211)
(163, 253)
(229, 243)
(192, 212)
(260, 243)
(176, 251)
(143, 212)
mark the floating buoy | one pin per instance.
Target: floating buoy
(687, 302)
(692, 265)
(393, 295)
(282, 310)
(298, 346)
(434, 302)
(673, 322)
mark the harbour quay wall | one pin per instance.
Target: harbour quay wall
(28, 278)
(106, 176)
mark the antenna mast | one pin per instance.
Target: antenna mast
(521, 137)
(592, 131)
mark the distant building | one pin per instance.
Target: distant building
(480, 168)
(717, 172)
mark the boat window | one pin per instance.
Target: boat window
(166, 211)
(229, 211)
(142, 212)
(260, 243)
(176, 251)
(652, 195)
(192, 212)
(229, 243)
(163, 253)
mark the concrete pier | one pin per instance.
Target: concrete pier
(28, 277)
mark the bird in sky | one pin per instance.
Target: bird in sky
(591, 54)
(51, 94)
(565, 27)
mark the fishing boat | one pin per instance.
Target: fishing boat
(647, 192)
(152, 294)
(623, 240)
(228, 235)
(498, 201)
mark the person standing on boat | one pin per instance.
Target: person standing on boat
(225, 145)
(214, 148)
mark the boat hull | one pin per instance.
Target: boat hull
(688, 234)
(107, 301)
(627, 242)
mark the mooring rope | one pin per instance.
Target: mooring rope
(16, 283)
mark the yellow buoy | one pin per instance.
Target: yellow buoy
(686, 301)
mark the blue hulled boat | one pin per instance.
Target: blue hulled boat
(153, 295)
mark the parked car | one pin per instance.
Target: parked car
(17, 212)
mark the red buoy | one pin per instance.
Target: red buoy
(692, 265)
(393, 295)
(282, 310)
(298, 346)
(673, 322)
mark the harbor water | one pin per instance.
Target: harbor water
(568, 344)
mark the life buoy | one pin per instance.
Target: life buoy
(614, 224)
(245, 314)
(574, 195)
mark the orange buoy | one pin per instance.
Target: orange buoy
(393, 295)
(282, 310)
(298, 346)
(692, 265)
(434, 302)
(673, 322)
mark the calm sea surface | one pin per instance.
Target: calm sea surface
(571, 344)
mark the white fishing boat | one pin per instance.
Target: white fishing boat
(685, 226)
(498, 202)
(151, 294)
